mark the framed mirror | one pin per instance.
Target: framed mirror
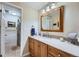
(53, 20)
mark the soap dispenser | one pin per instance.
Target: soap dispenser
(32, 31)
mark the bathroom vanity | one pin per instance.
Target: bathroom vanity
(41, 46)
(51, 47)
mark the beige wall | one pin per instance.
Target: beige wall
(30, 17)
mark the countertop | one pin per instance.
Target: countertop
(64, 46)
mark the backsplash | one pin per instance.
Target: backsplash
(51, 35)
(60, 35)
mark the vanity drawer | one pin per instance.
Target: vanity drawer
(49, 55)
(53, 52)
(64, 54)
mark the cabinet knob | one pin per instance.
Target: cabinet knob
(59, 55)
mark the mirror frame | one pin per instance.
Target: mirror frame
(61, 20)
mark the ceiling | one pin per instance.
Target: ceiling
(36, 5)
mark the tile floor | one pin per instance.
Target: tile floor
(11, 50)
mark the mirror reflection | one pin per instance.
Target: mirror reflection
(52, 20)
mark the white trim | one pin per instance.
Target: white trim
(26, 54)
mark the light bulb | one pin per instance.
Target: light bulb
(43, 11)
(53, 6)
(47, 9)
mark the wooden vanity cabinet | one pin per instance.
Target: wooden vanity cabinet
(31, 46)
(37, 49)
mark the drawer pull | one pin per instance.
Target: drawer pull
(59, 55)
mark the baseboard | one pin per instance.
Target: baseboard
(25, 55)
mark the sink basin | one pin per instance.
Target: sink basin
(73, 41)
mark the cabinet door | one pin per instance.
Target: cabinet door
(40, 49)
(37, 48)
(53, 51)
(43, 50)
(31, 46)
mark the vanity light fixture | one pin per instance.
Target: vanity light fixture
(53, 5)
(47, 9)
(43, 11)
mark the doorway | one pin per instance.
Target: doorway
(12, 24)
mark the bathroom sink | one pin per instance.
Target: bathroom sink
(72, 41)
